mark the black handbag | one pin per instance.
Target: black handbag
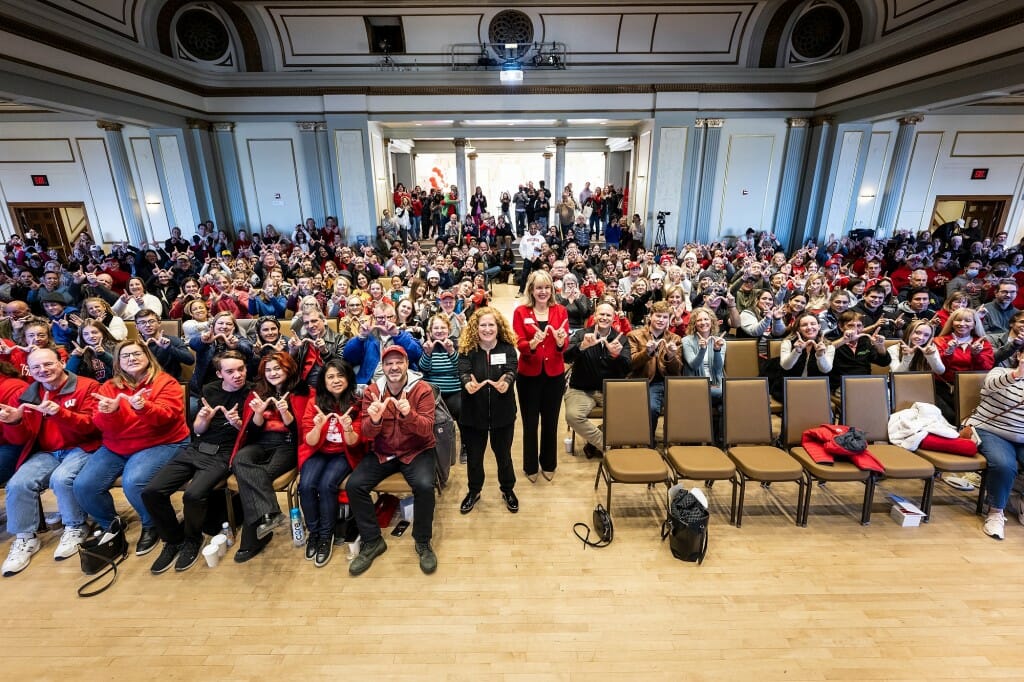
(97, 555)
(602, 528)
(687, 527)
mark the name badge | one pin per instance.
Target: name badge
(529, 320)
(498, 359)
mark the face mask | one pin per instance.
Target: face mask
(971, 273)
(999, 273)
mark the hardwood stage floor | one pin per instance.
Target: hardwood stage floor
(517, 597)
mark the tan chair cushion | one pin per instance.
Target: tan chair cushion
(635, 465)
(901, 463)
(280, 483)
(775, 405)
(700, 462)
(944, 461)
(765, 463)
(394, 484)
(840, 471)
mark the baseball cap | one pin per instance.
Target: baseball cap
(447, 294)
(391, 350)
(633, 264)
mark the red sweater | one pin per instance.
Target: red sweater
(547, 357)
(71, 427)
(161, 420)
(353, 453)
(964, 360)
(297, 403)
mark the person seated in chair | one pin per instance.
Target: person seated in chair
(656, 353)
(398, 419)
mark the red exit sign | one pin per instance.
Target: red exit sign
(979, 174)
(40, 181)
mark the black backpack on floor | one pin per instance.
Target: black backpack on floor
(687, 527)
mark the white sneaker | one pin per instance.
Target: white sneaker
(995, 524)
(1016, 506)
(69, 543)
(21, 553)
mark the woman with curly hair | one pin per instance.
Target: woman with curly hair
(487, 368)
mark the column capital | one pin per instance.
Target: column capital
(714, 122)
(386, 141)
(911, 120)
(307, 126)
(109, 126)
(472, 156)
(197, 124)
(823, 120)
(798, 122)
(548, 155)
(560, 141)
(700, 122)
(459, 142)
(223, 127)
(321, 127)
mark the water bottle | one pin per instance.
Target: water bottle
(228, 532)
(298, 531)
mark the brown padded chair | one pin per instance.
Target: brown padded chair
(741, 362)
(133, 330)
(912, 387)
(966, 394)
(629, 454)
(689, 436)
(748, 434)
(287, 483)
(866, 406)
(171, 327)
(807, 407)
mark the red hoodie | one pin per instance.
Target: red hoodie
(160, 421)
(353, 453)
(71, 427)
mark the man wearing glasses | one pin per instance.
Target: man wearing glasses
(169, 351)
(375, 336)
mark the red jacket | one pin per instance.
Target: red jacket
(547, 357)
(10, 389)
(297, 403)
(161, 420)
(353, 453)
(964, 360)
(398, 436)
(821, 446)
(71, 427)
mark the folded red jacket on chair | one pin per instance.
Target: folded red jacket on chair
(820, 444)
(952, 446)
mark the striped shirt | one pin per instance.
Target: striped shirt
(1001, 410)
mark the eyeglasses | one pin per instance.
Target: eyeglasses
(132, 355)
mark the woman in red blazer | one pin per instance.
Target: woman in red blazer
(267, 447)
(542, 328)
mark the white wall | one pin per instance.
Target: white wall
(946, 150)
(276, 190)
(74, 157)
(747, 176)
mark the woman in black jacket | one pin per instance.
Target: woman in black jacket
(487, 367)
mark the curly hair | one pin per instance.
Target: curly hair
(469, 340)
(691, 327)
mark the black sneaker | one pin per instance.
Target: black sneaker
(310, 547)
(189, 554)
(147, 541)
(369, 551)
(468, 502)
(592, 452)
(511, 501)
(270, 523)
(243, 555)
(166, 558)
(428, 560)
(324, 550)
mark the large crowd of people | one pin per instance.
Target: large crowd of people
(382, 331)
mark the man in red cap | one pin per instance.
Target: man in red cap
(398, 417)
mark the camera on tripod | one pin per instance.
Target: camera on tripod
(661, 216)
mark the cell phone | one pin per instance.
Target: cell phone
(400, 528)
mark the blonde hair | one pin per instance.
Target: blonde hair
(122, 379)
(955, 316)
(691, 326)
(531, 284)
(469, 340)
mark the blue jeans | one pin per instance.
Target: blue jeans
(656, 392)
(419, 474)
(1004, 459)
(56, 470)
(8, 461)
(321, 478)
(92, 487)
(491, 273)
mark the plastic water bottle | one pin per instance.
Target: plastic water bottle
(228, 532)
(298, 531)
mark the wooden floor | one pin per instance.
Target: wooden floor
(516, 596)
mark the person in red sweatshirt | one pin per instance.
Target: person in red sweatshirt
(141, 414)
(53, 422)
(398, 418)
(12, 385)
